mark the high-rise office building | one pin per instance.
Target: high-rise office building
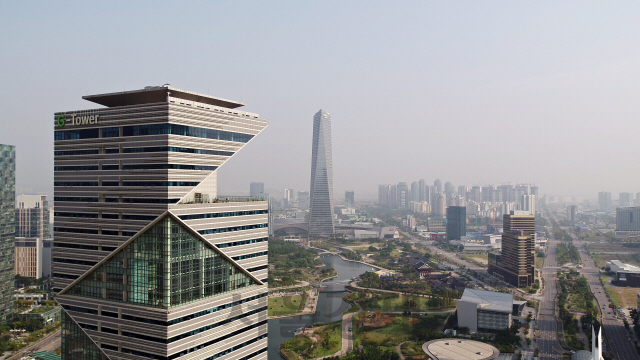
(415, 192)
(32, 216)
(28, 257)
(349, 199)
(439, 205)
(150, 262)
(321, 194)
(402, 199)
(456, 222)
(516, 263)
(638, 199)
(571, 214)
(624, 199)
(289, 197)
(437, 186)
(7, 228)
(256, 189)
(627, 222)
(462, 191)
(604, 200)
(303, 200)
(529, 203)
(423, 190)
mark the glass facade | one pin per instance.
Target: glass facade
(7, 228)
(165, 266)
(75, 343)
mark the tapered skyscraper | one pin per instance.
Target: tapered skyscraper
(321, 195)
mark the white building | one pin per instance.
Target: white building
(487, 310)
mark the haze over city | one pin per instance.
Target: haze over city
(472, 93)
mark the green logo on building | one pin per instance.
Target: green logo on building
(62, 120)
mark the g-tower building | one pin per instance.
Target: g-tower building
(149, 261)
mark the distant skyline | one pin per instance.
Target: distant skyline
(469, 92)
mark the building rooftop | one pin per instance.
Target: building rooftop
(459, 349)
(155, 94)
(619, 266)
(489, 300)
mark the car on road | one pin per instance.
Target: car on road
(349, 329)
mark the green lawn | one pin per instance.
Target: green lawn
(41, 310)
(285, 305)
(334, 335)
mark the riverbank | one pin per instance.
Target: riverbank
(345, 259)
(308, 309)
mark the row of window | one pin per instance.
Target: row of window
(126, 183)
(144, 150)
(224, 214)
(258, 268)
(134, 167)
(93, 231)
(74, 261)
(83, 247)
(166, 323)
(238, 243)
(153, 129)
(232, 228)
(124, 200)
(249, 256)
(184, 352)
(104, 216)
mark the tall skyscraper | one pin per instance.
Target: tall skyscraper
(289, 197)
(303, 200)
(516, 263)
(571, 214)
(529, 203)
(627, 222)
(437, 186)
(415, 192)
(150, 262)
(7, 228)
(624, 199)
(256, 189)
(604, 200)
(321, 194)
(423, 190)
(456, 222)
(32, 216)
(403, 195)
(349, 199)
(439, 205)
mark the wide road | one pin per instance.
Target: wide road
(547, 333)
(619, 340)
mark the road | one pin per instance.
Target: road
(547, 333)
(48, 344)
(618, 337)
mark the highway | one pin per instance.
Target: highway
(619, 339)
(547, 335)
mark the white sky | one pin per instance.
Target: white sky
(468, 92)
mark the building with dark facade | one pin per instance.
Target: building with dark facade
(7, 228)
(150, 262)
(321, 194)
(456, 222)
(516, 262)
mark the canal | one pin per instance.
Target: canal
(330, 304)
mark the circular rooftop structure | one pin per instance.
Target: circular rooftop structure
(459, 349)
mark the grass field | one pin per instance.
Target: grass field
(623, 296)
(480, 258)
(397, 304)
(285, 305)
(412, 348)
(539, 262)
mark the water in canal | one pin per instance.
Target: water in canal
(330, 305)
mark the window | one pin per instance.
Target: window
(76, 134)
(110, 132)
(75, 168)
(233, 228)
(175, 129)
(177, 149)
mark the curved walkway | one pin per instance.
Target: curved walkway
(355, 286)
(302, 284)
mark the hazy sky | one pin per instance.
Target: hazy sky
(468, 92)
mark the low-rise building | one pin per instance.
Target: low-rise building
(485, 310)
(626, 274)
